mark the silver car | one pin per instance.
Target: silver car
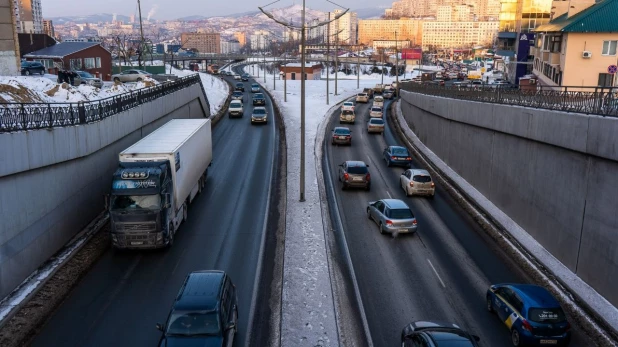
(89, 79)
(375, 125)
(375, 112)
(259, 115)
(392, 216)
(354, 174)
(131, 75)
(417, 182)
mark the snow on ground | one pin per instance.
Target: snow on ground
(30, 89)
(308, 314)
(217, 90)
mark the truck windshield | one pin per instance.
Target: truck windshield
(132, 202)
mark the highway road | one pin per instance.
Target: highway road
(125, 294)
(441, 273)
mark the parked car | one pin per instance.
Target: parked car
(531, 313)
(348, 105)
(397, 155)
(259, 115)
(417, 182)
(89, 79)
(131, 75)
(362, 97)
(354, 174)
(435, 334)
(235, 109)
(32, 67)
(375, 125)
(347, 116)
(258, 99)
(255, 88)
(392, 216)
(204, 313)
(375, 112)
(238, 95)
(341, 136)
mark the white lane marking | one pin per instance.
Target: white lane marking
(436, 272)
(389, 195)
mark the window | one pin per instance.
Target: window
(98, 62)
(89, 63)
(605, 80)
(76, 64)
(609, 47)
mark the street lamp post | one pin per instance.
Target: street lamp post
(382, 65)
(336, 60)
(396, 65)
(327, 58)
(358, 68)
(264, 66)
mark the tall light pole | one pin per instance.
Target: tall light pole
(396, 65)
(382, 64)
(358, 68)
(336, 60)
(264, 64)
(327, 58)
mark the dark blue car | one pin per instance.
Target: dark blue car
(397, 156)
(531, 313)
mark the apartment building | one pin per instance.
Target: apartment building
(482, 9)
(9, 44)
(48, 28)
(202, 42)
(347, 24)
(28, 16)
(241, 37)
(370, 30)
(259, 40)
(458, 34)
(578, 46)
(230, 46)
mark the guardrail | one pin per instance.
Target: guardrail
(30, 116)
(601, 101)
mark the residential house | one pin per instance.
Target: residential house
(86, 56)
(292, 71)
(29, 43)
(578, 46)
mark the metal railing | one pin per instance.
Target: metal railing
(601, 101)
(29, 116)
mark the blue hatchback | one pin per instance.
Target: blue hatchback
(531, 313)
(397, 155)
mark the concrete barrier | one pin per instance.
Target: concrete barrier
(52, 181)
(554, 173)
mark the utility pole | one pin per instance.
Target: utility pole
(336, 59)
(264, 65)
(327, 57)
(302, 106)
(358, 68)
(141, 29)
(396, 65)
(382, 64)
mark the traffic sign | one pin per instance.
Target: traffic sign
(612, 69)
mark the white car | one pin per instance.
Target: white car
(417, 182)
(347, 106)
(237, 77)
(375, 112)
(236, 108)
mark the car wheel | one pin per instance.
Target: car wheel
(42, 72)
(28, 73)
(388, 162)
(381, 230)
(368, 214)
(343, 187)
(368, 187)
(139, 79)
(490, 308)
(170, 237)
(185, 212)
(515, 339)
(116, 79)
(432, 195)
(332, 143)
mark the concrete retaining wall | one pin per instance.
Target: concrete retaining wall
(52, 181)
(554, 173)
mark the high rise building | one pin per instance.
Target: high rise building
(241, 37)
(259, 40)
(347, 24)
(438, 34)
(9, 45)
(370, 30)
(202, 42)
(28, 16)
(48, 27)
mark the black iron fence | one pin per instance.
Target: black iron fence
(28, 116)
(589, 100)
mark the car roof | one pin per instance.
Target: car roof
(238, 92)
(395, 203)
(341, 128)
(236, 102)
(448, 336)
(200, 291)
(534, 296)
(376, 120)
(419, 172)
(397, 147)
(355, 163)
(259, 108)
(348, 102)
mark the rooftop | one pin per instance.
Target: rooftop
(62, 49)
(598, 18)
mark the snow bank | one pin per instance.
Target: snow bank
(217, 90)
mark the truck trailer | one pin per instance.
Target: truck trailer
(156, 180)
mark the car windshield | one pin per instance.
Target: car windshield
(259, 111)
(237, 93)
(376, 109)
(546, 315)
(376, 121)
(193, 323)
(133, 202)
(348, 104)
(358, 170)
(421, 178)
(258, 96)
(255, 86)
(342, 131)
(399, 151)
(362, 95)
(239, 84)
(236, 104)
(400, 213)
(85, 74)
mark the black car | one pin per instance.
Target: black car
(244, 77)
(238, 95)
(433, 334)
(397, 156)
(240, 86)
(32, 67)
(258, 99)
(205, 312)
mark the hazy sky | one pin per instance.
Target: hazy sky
(170, 9)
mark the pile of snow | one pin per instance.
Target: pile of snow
(27, 89)
(217, 90)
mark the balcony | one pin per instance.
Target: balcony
(554, 58)
(544, 56)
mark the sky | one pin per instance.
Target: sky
(168, 9)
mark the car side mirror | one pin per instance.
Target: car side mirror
(159, 326)
(230, 326)
(476, 338)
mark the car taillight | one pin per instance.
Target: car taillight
(389, 223)
(432, 185)
(408, 158)
(414, 222)
(526, 325)
(411, 184)
(346, 176)
(368, 177)
(393, 158)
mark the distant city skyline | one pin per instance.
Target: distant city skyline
(166, 10)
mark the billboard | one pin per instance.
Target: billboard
(524, 42)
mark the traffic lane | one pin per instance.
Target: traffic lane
(385, 328)
(126, 293)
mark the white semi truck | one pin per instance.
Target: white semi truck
(156, 180)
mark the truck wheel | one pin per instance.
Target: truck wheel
(170, 238)
(184, 212)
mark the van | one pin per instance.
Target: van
(347, 116)
(378, 101)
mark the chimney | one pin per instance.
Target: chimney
(577, 6)
(558, 8)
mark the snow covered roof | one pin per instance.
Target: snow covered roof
(61, 50)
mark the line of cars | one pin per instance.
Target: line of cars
(532, 315)
(259, 113)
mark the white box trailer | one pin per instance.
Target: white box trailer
(158, 177)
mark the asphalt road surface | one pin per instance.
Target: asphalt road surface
(125, 294)
(441, 273)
